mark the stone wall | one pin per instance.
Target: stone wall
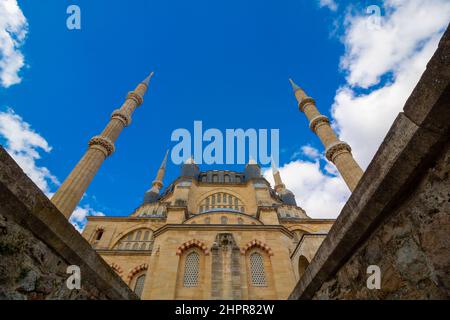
(37, 244)
(412, 248)
(398, 217)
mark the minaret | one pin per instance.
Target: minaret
(152, 195)
(286, 195)
(279, 185)
(336, 151)
(100, 147)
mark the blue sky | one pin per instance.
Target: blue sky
(226, 63)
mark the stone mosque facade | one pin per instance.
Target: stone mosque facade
(208, 234)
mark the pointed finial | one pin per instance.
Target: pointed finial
(190, 160)
(147, 80)
(294, 86)
(251, 161)
(274, 166)
(164, 163)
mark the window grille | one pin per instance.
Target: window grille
(191, 270)
(257, 270)
(221, 201)
(136, 240)
(139, 286)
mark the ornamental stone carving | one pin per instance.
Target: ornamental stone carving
(103, 144)
(317, 121)
(302, 104)
(135, 97)
(336, 149)
(121, 116)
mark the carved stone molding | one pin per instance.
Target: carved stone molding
(258, 244)
(117, 269)
(318, 120)
(136, 270)
(122, 116)
(302, 104)
(336, 149)
(192, 243)
(135, 97)
(103, 144)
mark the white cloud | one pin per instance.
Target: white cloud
(79, 216)
(397, 50)
(400, 48)
(24, 144)
(13, 30)
(330, 4)
(408, 25)
(311, 152)
(320, 195)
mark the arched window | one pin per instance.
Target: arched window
(191, 270)
(215, 178)
(136, 240)
(98, 234)
(139, 285)
(221, 201)
(257, 270)
(227, 178)
(223, 220)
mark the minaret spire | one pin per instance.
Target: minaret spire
(152, 195)
(286, 195)
(279, 185)
(147, 80)
(100, 147)
(157, 184)
(336, 151)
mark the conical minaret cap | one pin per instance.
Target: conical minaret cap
(147, 80)
(157, 184)
(295, 87)
(164, 163)
(274, 166)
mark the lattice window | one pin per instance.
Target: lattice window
(257, 270)
(136, 240)
(221, 201)
(191, 270)
(139, 286)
